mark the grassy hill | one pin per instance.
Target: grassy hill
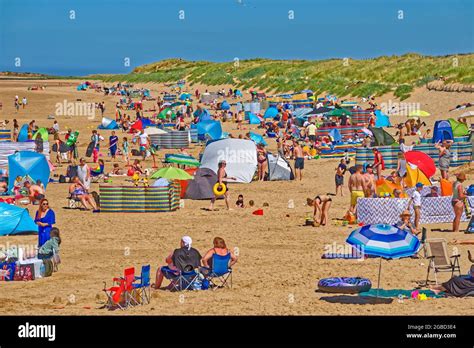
(399, 74)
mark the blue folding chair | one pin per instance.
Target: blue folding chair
(143, 288)
(220, 275)
(180, 280)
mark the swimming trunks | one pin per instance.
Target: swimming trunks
(339, 180)
(299, 163)
(355, 195)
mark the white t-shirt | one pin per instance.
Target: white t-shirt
(416, 196)
(312, 129)
(56, 127)
(143, 139)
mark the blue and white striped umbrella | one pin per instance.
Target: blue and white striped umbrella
(386, 241)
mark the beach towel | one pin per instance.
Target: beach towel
(394, 293)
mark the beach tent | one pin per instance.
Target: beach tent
(23, 134)
(385, 186)
(335, 135)
(203, 115)
(239, 154)
(211, 129)
(225, 105)
(381, 120)
(279, 168)
(82, 87)
(43, 132)
(137, 125)
(28, 163)
(185, 96)
(271, 112)
(459, 129)
(381, 137)
(108, 123)
(15, 220)
(257, 138)
(167, 113)
(442, 130)
(201, 187)
(415, 175)
(238, 93)
(254, 119)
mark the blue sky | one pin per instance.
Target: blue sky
(105, 32)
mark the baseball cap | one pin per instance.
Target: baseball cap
(419, 184)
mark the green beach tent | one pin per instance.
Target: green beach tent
(167, 113)
(459, 128)
(339, 112)
(43, 132)
(172, 173)
(381, 137)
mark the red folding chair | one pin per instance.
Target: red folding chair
(116, 296)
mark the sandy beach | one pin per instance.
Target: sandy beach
(279, 258)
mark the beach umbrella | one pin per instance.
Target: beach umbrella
(271, 112)
(167, 113)
(384, 241)
(424, 162)
(171, 173)
(419, 113)
(339, 112)
(467, 114)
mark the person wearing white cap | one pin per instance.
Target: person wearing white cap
(186, 258)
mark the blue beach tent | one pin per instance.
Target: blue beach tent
(15, 220)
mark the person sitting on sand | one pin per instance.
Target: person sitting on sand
(240, 202)
(136, 167)
(459, 286)
(77, 189)
(35, 192)
(51, 246)
(186, 258)
(405, 223)
(116, 170)
(321, 204)
(219, 248)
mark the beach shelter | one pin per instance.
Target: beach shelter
(415, 175)
(201, 187)
(335, 135)
(271, 112)
(184, 183)
(28, 163)
(381, 120)
(182, 159)
(225, 105)
(171, 173)
(419, 113)
(203, 115)
(137, 125)
(381, 137)
(43, 132)
(257, 138)
(384, 241)
(424, 162)
(459, 129)
(279, 168)
(339, 112)
(239, 154)
(23, 134)
(254, 119)
(167, 113)
(442, 130)
(15, 220)
(108, 123)
(185, 96)
(81, 87)
(154, 130)
(385, 186)
(211, 129)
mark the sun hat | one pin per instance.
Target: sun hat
(461, 176)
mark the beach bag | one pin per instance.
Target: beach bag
(446, 187)
(24, 272)
(7, 271)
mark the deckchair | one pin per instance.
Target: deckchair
(115, 296)
(180, 280)
(220, 275)
(143, 288)
(436, 251)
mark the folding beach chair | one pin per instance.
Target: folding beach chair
(143, 288)
(115, 296)
(180, 280)
(129, 296)
(220, 275)
(436, 251)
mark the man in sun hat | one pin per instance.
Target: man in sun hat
(405, 223)
(416, 200)
(186, 258)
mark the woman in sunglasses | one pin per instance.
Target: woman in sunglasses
(45, 219)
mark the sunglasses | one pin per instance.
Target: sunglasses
(44, 203)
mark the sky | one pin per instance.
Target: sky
(102, 36)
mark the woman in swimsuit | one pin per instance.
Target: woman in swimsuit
(261, 162)
(221, 178)
(444, 157)
(220, 248)
(457, 200)
(78, 190)
(321, 204)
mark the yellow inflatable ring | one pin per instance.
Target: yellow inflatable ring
(218, 192)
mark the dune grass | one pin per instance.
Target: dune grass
(357, 78)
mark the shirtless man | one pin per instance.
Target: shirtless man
(36, 192)
(299, 159)
(370, 182)
(357, 187)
